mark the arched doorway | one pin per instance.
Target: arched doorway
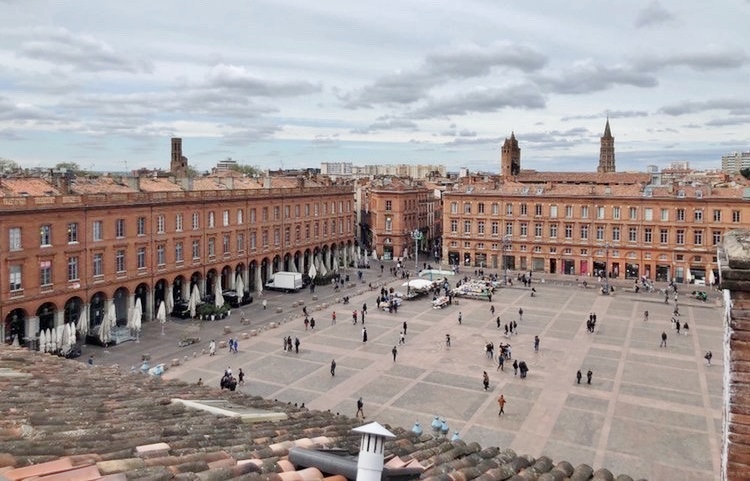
(288, 262)
(141, 292)
(252, 270)
(177, 288)
(96, 309)
(15, 326)
(226, 278)
(72, 310)
(160, 294)
(211, 280)
(264, 270)
(195, 280)
(276, 265)
(121, 306)
(46, 315)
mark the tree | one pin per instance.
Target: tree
(192, 172)
(249, 170)
(69, 167)
(745, 172)
(7, 165)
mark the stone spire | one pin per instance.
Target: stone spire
(606, 151)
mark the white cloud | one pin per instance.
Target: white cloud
(653, 14)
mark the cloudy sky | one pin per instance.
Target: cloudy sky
(292, 83)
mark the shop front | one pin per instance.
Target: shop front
(537, 264)
(662, 273)
(569, 266)
(600, 269)
(509, 262)
(631, 271)
(480, 260)
(584, 268)
(467, 259)
(553, 266)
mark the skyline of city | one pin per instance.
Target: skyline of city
(290, 84)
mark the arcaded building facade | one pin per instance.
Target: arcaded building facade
(72, 245)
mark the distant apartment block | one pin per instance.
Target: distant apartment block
(736, 161)
(416, 171)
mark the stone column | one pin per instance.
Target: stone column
(258, 280)
(734, 265)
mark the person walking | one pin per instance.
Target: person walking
(312, 323)
(447, 340)
(520, 314)
(589, 375)
(501, 403)
(663, 339)
(364, 308)
(536, 343)
(360, 409)
(686, 328)
(364, 334)
(708, 357)
(515, 328)
(506, 330)
(241, 377)
(579, 376)
(402, 338)
(459, 317)
(307, 322)
(363, 317)
(354, 316)
(265, 304)
(492, 309)
(515, 367)
(645, 316)
(212, 348)
(498, 322)
(333, 367)
(333, 318)
(500, 362)
(677, 326)
(394, 351)
(296, 344)
(485, 380)
(285, 344)
(404, 328)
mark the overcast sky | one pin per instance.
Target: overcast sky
(292, 83)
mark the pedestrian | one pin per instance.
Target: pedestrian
(686, 328)
(364, 334)
(515, 367)
(312, 323)
(364, 308)
(363, 316)
(676, 310)
(536, 343)
(523, 368)
(498, 322)
(485, 380)
(237, 345)
(285, 343)
(200, 381)
(520, 314)
(578, 376)
(296, 344)
(459, 317)
(645, 316)
(333, 367)
(304, 310)
(394, 351)
(663, 339)
(354, 316)
(501, 362)
(447, 340)
(241, 377)
(708, 357)
(307, 322)
(212, 348)
(677, 326)
(492, 309)
(333, 318)
(289, 343)
(589, 375)
(515, 328)
(404, 328)
(91, 360)
(360, 408)
(242, 317)
(506, 329)
(402, 338)
(501, 403)
(265, 304)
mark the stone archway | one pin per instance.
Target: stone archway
(72, 310)
(46, 314)
(97, 308)
(122, 305)
(15, 326)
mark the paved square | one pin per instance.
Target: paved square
(649, 411)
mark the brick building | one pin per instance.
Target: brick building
(395, 208)
(72, 245)
(586, 224)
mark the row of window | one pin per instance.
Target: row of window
(616, 232)
(97, 261)
(45, 230)
(599, 212)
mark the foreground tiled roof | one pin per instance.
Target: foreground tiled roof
(62, 420)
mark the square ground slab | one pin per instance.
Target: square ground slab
(587, 403)
(383, 388)
(409, 372)
(661, 416)
(578, 427)
(441, 399)
(283, 371)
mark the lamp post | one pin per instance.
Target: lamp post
(507, 241)
(606, 269)
(417, 236)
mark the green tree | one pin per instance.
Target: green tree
(192, 172)
(69, 166)
(745, 172)
(7, 165)
(249, 170)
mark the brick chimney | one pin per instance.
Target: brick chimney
(734, 268)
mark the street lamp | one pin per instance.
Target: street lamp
(417, 236)
(606, 269)
(507, 241)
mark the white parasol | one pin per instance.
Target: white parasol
(42, 341)
(313, 272)
(137, 318)
(83, 322)
(194, 299)
(688, 276)
(50, 340)
(711, 278)
(418, 283)
(375, 255)
(106, 326)
(65, 341)
(218, 297)
(169, 300)
(239, 287)
(59, 337)
(161, 315)
(71, 334)
(323, 270)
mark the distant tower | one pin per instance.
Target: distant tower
(178, 165)
(607, 151)
(510, 160)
